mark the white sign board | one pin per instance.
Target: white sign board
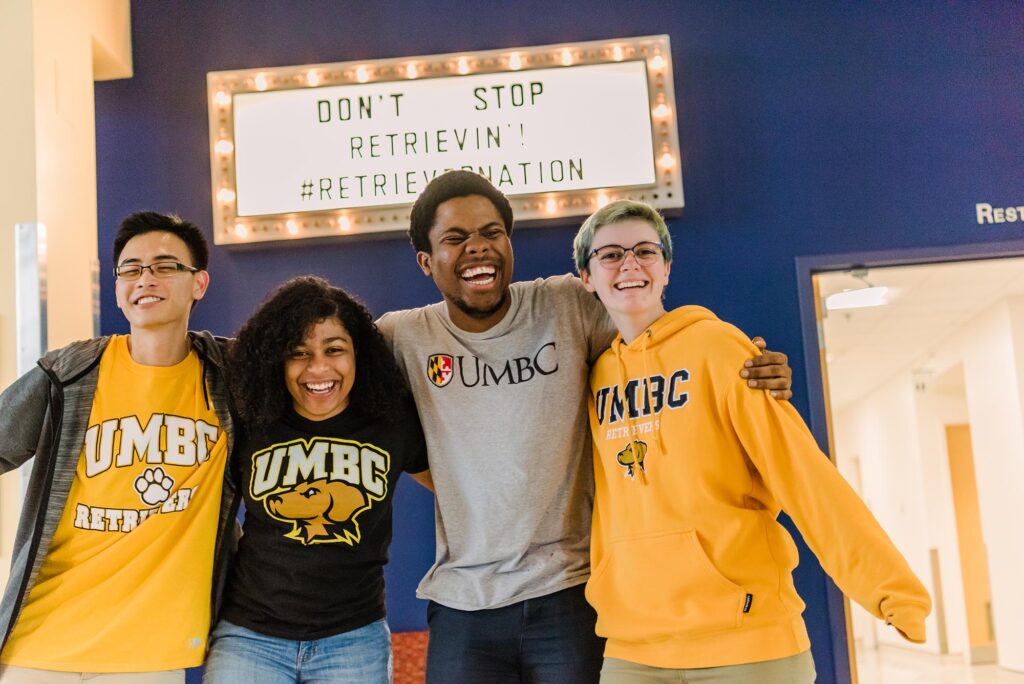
(295, 156)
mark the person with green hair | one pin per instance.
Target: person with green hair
(692, 570)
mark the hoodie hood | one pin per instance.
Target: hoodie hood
(666, 326)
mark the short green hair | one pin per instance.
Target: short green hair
(616, 212)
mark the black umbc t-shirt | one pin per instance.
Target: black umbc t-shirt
(318, 498)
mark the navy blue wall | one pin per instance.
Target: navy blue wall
(805, 128)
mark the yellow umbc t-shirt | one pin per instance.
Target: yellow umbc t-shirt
(125, 586)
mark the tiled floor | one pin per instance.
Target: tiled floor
(896, 666)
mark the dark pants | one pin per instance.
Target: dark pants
(546, 640)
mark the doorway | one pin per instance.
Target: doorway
(922, 374)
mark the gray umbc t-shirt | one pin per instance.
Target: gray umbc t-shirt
(505, 417)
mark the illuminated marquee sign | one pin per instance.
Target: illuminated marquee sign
(335, 149)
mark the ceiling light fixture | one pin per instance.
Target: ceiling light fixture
(859, 297)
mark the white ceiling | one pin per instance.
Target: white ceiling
(928, 304)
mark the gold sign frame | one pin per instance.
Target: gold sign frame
(665, 193)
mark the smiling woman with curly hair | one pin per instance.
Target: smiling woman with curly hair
(330, 426)
(280, 324)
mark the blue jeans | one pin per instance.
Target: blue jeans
(545, 640)
(242, 656)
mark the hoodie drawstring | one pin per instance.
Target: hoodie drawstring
(648, 335)
(637, 467)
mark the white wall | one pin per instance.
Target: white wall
(993, 352)
(934, 412)
(881, 432)
(898, 435)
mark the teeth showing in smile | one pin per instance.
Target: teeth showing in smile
(479, 275)
(320, 387)
(627, 284)
(147, 300)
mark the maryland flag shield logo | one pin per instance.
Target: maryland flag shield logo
(440, 368)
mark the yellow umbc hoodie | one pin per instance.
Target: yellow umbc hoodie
(690, 566)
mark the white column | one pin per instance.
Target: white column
(51, 52)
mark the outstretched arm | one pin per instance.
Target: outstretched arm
(769, 371)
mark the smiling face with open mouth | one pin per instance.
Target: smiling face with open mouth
(152, 303)
(470, 261)
(320, 371)
(630, 290)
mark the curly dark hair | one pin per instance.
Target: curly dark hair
(282, 321)
(449, 185)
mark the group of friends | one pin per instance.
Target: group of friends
(607, 476)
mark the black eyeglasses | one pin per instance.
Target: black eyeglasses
(160, 269)
(612, 256)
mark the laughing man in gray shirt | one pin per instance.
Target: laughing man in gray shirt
(499, 372)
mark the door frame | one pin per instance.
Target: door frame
(806, 268)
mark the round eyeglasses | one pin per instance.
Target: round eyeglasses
(612, 256)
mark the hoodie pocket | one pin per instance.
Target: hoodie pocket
(659, 586)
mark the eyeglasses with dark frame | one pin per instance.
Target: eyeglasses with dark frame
(159, 269)
(612, 256)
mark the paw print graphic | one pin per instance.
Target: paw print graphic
(154, 486)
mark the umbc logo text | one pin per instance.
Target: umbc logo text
(441, 368)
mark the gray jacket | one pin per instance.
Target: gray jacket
(45, 414)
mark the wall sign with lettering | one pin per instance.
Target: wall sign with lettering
(336, 149)
(986, 213)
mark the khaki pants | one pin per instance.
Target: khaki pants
(10, 674)
(798, 669)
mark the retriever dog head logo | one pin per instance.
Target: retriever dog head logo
(632, 457)
(321, 511)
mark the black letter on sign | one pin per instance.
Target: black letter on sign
(536, 88)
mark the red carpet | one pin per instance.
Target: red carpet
(410, 649)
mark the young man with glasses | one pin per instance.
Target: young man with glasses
(499, 373)
(124, 521)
